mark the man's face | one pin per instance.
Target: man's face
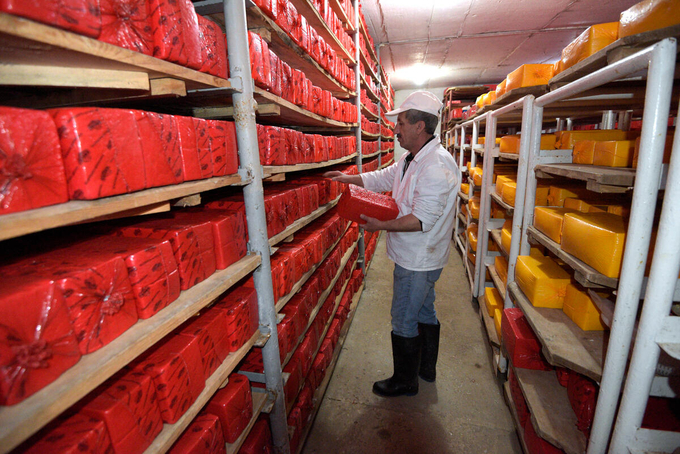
(406, 132)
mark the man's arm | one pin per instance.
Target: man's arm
(336, 175)
(408, 223)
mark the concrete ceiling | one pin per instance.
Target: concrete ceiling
(468, 42)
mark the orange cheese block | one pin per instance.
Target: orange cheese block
(479, 102)
(619, 210)
(465, 188)
(477, 178)
(529, 75)
(596, 239)
(557, 67)
(668, 147)
(471, 232)
(583, 153)
(493, 300)
(508, 195)
(542, 280)
(497, 317)
(502, 180)
(501, 264)
(549, 221)
(648, 15)
(548, 141)
(474, 171)
(497, 212)
(501, 88)
(481, 140)
(557, 194)
(490, 98)
(472, 257)
(577, 204)
(614, 153)
(542, 192)
(464, 209)
(510, 144)
(593, 39)
(567, 139)
(597, 209)
(473, 206)
(581, 309)
(506, 238)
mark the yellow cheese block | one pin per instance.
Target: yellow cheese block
(501, 181)
(497, 318)
(464, 209)
(584, 151)
(577, 204)
(542, 191)
(597, 209)
(507, 224)
(580, 308)
(465, 188)
(549, 221)
(479, 102)
(567, 139)
(493, 300)
(510, 144)
(481, 140)
(592, 40)
(490, 98)
(508, 195)
(614, 153)
(597, 239)
(548, 141)
(474, 171)
(536, 252)
(506, 238)
(649, 15)
(619, 210)
(472, 236)
(501, 265)
(500, 88)
(542, 280)
(497, 212)
(529, 75)
(557, 67)
(668, 147)
(473, 206)
(557, 194)
(477, 178)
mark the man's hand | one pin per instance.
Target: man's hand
(336, 175)
(372, 224)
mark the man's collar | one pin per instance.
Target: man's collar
(424, 145)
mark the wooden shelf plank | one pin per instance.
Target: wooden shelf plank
(387, 164)
(55, 76)
(551, 413)
(286, 49)
(369, 91)
(497, 281)
(508, 208)
(364, 30)
(463, 219)
(25, 42)
(515, 417)
(368, 135)
(20, 421)
(273, 170)
(496, 236)
(171, 432)
(488, 323)
(366, 156)
(300, 223)
(22, 223)
(584, 274)
(347, 22)
(611, 176)
(509, 156)
(368, 113)
(315, 20)
(463, 197)
(564, 343)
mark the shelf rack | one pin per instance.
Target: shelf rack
(315, 19)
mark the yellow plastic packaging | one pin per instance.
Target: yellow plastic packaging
(509, 189)
(614, 153)
(506, 238)
(649, 15)
(497, 317)
(501, 265)
(474, 171)
(583, 153)
(477, 178)
(479, 102)
(567, 139)
(597, 239)
(593, 39)
(668, 147)
(557, 67)
(542, 191)
(619, 210)
(557, 194)
(529, 75)
(464, 209)
(481, 140)
(510, 144)
(580, 308)
(493, 300)
(490, 98)
(473, 206)
(577, 204)
(597, 209)
(465, 188)
(542, 281)
(500, 88)
(502, 180)
(549, 221)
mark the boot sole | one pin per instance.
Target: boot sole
(427, 379)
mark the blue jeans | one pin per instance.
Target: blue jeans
(413, 300)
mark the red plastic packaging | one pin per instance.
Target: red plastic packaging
(78, 16)
(223, 147)
(191, 34)
(204, 435)
(78, 434)
(213, 49)
(195, 165)
(207, 330)
(127, 24)
(233, 405)
(259, 60)
(356, 201)
(524, 348)
(535, 444)
(168, 33)
(286, 75)
(259, 440)
(160, 147)
(241, 315)
(31, 167)
(582, 393)
(269, 7)
(203, 144)
(275, 66)
(128, 407)
(518, 398)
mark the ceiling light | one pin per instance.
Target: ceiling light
(419, 73)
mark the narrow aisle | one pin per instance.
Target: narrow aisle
(462, 412)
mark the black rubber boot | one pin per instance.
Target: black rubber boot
(429, 335)
(404, 382)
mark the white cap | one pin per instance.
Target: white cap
(419, 100)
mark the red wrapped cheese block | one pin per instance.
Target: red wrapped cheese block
(286, 75)
(269, 7)
(231, 146)
(233, 405)
(175, 367)
(168, 33)
(213, 49)
(524, 348)
(127, 24)
(37, 342)
(285, 18)
(204, 435)
(218, 146)
(356, 201)
(275, 67)
(518, 397)
(228, 232)
(203, 145)
(286, 335)
(240, 309)
(196, 164)
(208, 330)
(582, 394)
(253, 362)
(192, 244)
(259, 60)
(292, 386)
(536, 444)
(78, 16)
(191, 34)
(259, 440)
(78, 434)
(305, 402)
(160, 147)
(31, 167)
(295, 421)
(299, 258)
(128, 407)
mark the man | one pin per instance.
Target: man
(425, 183)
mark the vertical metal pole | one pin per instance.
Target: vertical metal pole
(377, 54)
(531, 182)
(559, 126)
(460, 150)
(249, 156)
(485, 206)
(357, 103)
(647, 177)
(608, 120)
(570, 124)
(657, 305)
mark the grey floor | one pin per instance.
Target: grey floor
(463, 412)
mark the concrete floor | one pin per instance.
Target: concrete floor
(463, 412)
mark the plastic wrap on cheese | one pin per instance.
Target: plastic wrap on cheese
(71, 434)
(79, 16)
(506, 238)
(203, 434)
(473, 207)
(510, 144)
(213, 46)
(529, 75)
(549, 220)
(127, 24)
(501, 88)
(668, 148)
(580, 308)
(497, 320)
(493, 300)
(356, 200)
(557, 194)
(614, 153)
(597, 239)
(502, 180)
(471, 233)
(589, 42)
(648, 15)
(567, 139)
(465, 188)
(584, 151)
(577, 204)
(508, 195)
(542, 280)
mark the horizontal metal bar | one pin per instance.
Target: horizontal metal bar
(515, 105)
